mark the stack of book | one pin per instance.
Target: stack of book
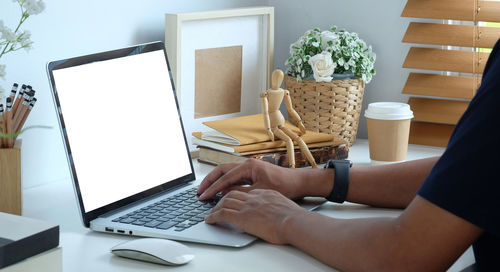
(28, 245)
(240, 138)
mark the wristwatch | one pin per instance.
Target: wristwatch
(340, 179)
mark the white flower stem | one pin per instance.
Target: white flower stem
(24, 16)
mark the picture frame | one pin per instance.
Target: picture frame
(245, 33)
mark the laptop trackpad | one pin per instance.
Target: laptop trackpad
(230, 227)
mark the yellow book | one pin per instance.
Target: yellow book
(247, 133)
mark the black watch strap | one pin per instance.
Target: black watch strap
(340, 180)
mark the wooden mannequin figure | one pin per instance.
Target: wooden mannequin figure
(275, 122)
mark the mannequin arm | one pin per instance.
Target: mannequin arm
(292, 113)
(265, 113)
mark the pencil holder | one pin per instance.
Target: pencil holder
(10, 179)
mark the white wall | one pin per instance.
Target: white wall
(71, 28)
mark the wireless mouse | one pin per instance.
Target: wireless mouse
(155, 250)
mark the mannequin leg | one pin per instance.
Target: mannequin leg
(303, 147)
(289, 145)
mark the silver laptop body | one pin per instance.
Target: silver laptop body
(128, 147)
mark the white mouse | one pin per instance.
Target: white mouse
(155, 250)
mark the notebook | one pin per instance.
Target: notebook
(126, 147)
(247, 133)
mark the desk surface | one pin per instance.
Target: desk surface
(85, 250)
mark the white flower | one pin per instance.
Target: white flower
(340, 62)
(351, 62)
(348, 53)
(322, 66)
(25, 40)
(7, 34)
(327, 36)
(2, 71)
(25, 37)
(34, 7)
(368, 78)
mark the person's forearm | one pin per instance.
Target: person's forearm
(423, 238)
(393, 185)
(346, 244)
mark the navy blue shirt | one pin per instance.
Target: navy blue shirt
(466, 179)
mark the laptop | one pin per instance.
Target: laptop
(126, 148)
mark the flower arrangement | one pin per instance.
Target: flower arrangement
(10, 41)
(322, 53)
(13, 40)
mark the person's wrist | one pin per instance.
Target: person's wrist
(299, 188)
(326, 182)
(316, 182)
(288, 229)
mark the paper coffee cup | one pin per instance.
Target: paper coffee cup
(388, 130)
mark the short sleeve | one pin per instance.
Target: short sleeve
(466, 179)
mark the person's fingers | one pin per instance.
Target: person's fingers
(240, 188)
(229, 203)
(222, 215)
(233, 195)
(256, 191)
(234, 176)
(214, 175)
(235, 200)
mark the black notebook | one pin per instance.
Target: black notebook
(23, 237)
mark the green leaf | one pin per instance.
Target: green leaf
(14, 135)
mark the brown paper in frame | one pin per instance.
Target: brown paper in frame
(217, 81)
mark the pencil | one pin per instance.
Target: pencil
(21, 124)
(13, 91)
(19, 97)
(26, 97)
(8, 121)
(20, 113)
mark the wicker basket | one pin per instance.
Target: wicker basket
(329, 107)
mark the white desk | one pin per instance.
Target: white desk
(85, 250)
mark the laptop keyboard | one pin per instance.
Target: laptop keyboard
(180, 212)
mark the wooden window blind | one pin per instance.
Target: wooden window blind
(448, 55)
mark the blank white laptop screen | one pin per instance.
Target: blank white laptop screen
(123, 126)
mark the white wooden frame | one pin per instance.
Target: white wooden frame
(179, 46)
(173, 34)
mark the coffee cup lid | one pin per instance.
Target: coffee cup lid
(389, 111)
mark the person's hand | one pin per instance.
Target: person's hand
(302, 128)
(253, 174)
(270, 134)
(262, 213)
